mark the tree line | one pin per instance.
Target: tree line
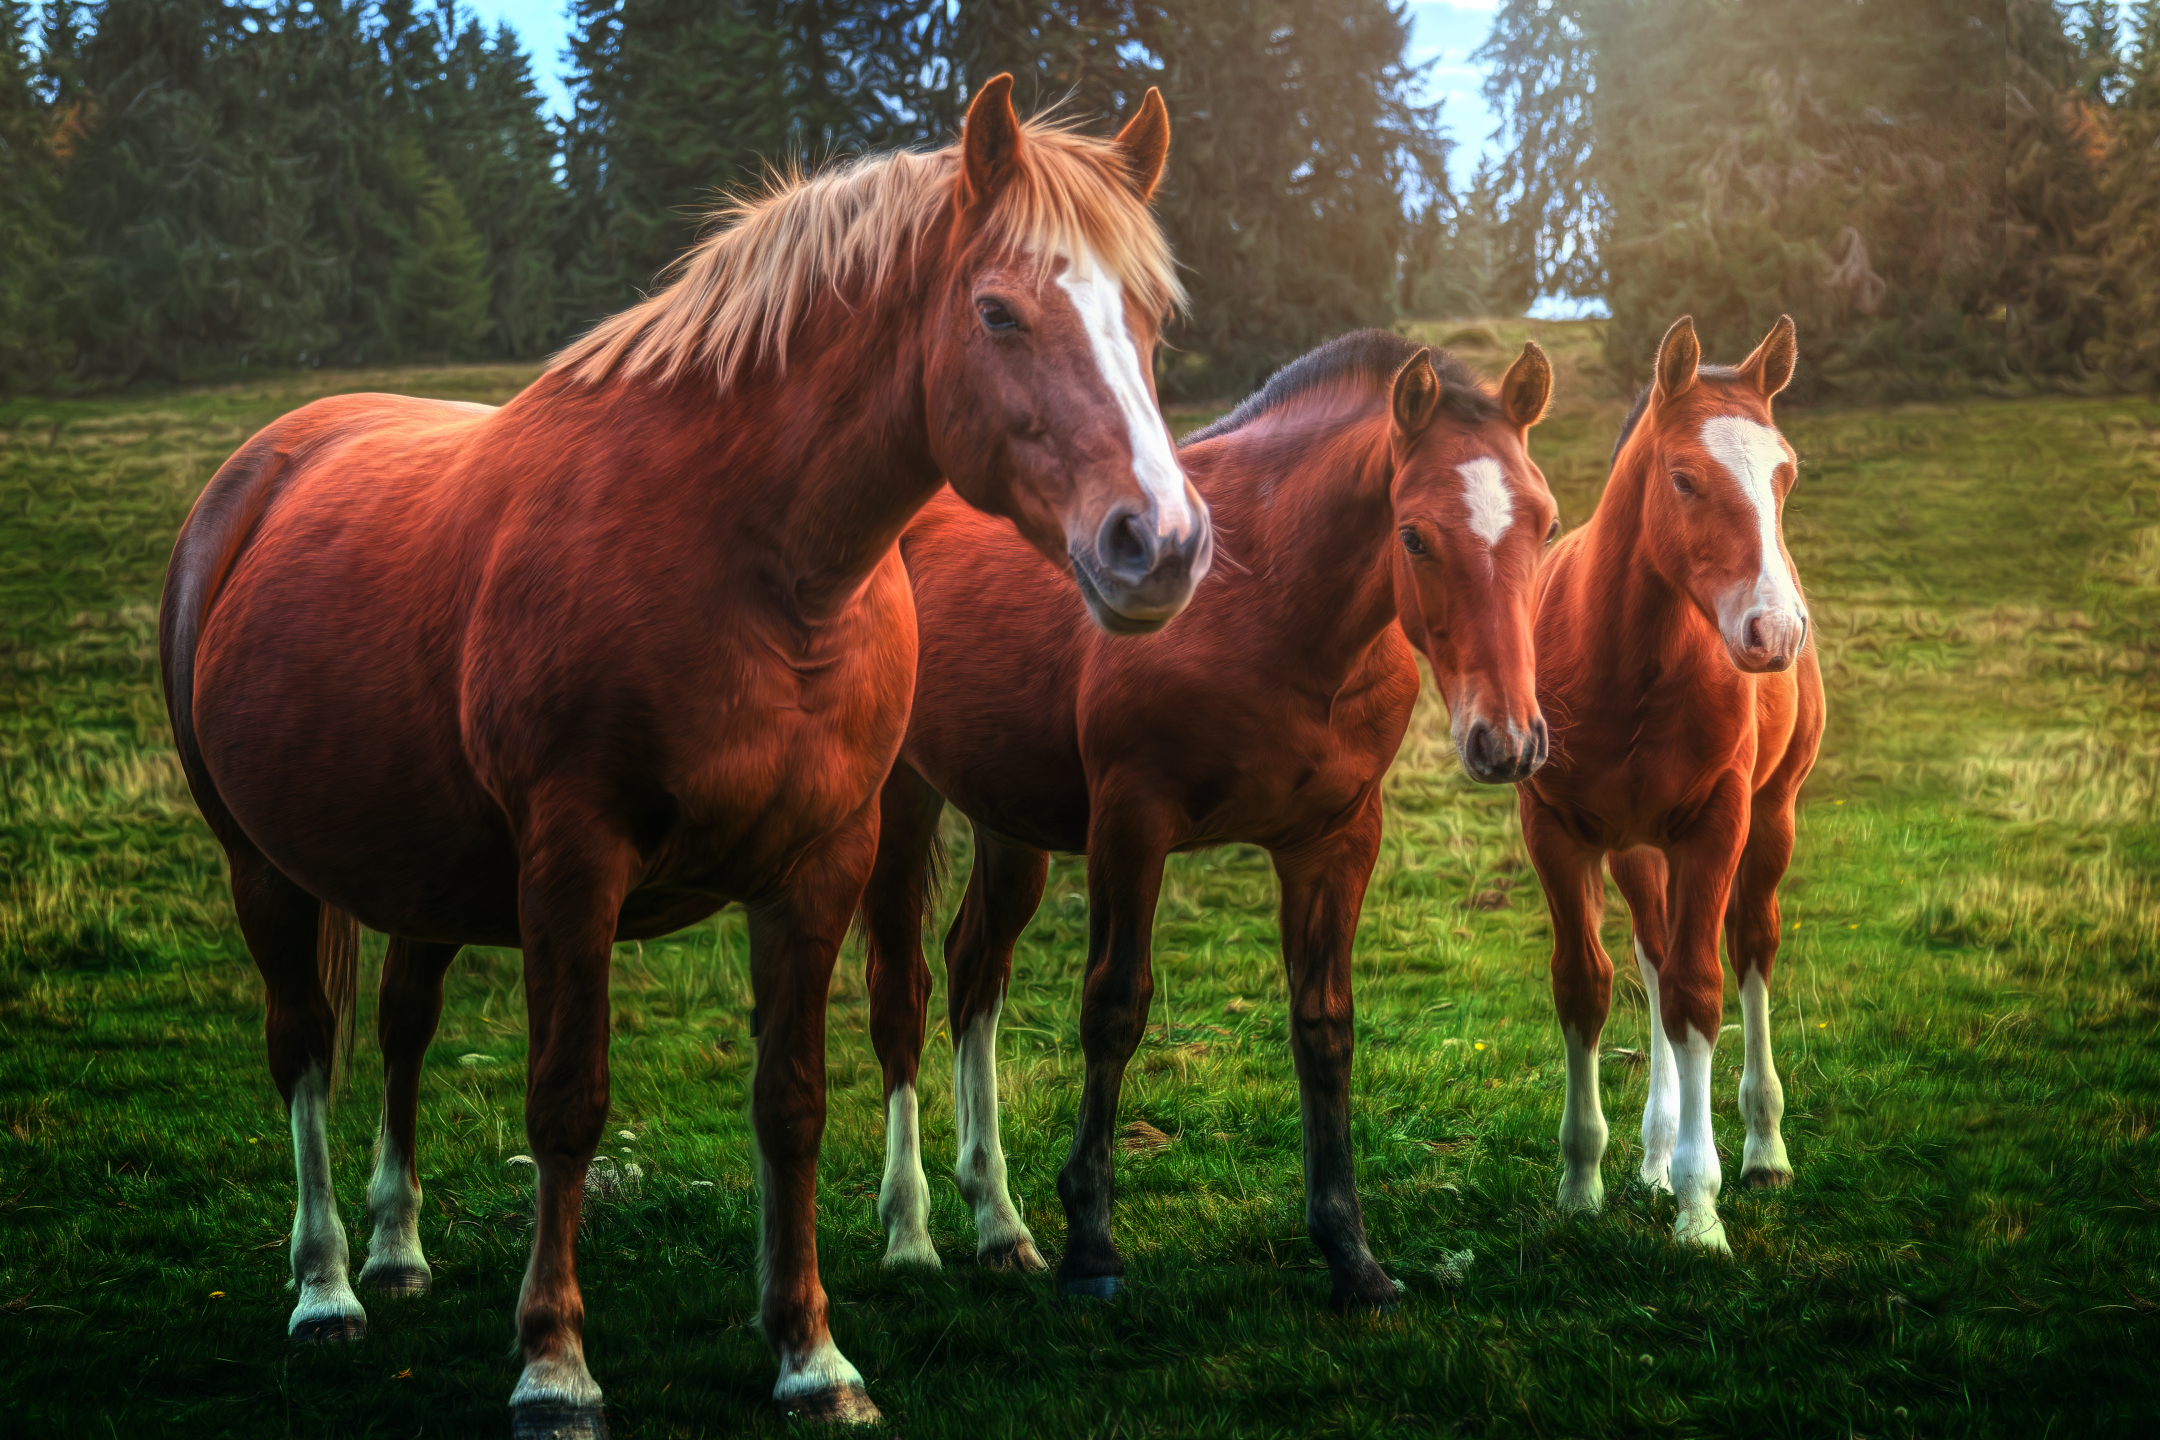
(197, 185)
(1941, 192)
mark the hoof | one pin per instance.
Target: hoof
(553, 1420)
(912, 1257)
(396, 1280)
(1091, 1287)
(841, 1405)
(1764, 1178)
(1371, 1293)
(329, 1330)
(1707, 1235)
(1019, 1255)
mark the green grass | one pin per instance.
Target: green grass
(1965, 1011)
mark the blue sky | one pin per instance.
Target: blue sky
(1443, 33)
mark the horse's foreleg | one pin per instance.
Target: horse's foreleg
(570, 890)
(1691, 1002)
(898, 980)
(1003, 890)
(794, 940)
(408, 1008)
(1125, 862)
(1322, 890)
(1574, 885)
(1642, 879)
(1751, 940)
(280, 922)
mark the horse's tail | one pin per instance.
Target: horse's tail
(210, 543)
(337, 966)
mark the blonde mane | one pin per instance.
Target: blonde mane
(734, 298)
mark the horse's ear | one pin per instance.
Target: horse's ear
(1771, 366)
(1145, 143)
(1526, 389)
(1679, 356)
(990, 141)
(1416, 394)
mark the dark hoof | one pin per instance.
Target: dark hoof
(1766, 1179)
(541, 1420)
(1091, 1287)
(1020, 1255)
(330, 1330)
(841, 1405)
(396, 1281)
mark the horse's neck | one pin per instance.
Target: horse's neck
(1631, 614)
(1306, 510)
(805, 477)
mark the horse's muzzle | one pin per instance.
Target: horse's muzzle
(1767, 639)
(1134, 578)
(1497, 755)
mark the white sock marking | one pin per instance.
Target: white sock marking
(1696, 1177)
(1762, 1098)
(394, 1208)
(1582, 1128)
(980, 1166)
(1099, 296)
(904, 1197)
(1486, 496)
(319, 1256)
(1661, 1109)
(558, 1379)
(818, 1370)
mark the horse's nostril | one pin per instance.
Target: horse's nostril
(1754, 633)
(1125, 548)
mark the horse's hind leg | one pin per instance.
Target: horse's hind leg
(898, 979)
(1003, 890)
(1751, 939)
(1641, 876)
(284, 925)
(408, 1008)
(1322, 890)
(1582, 995)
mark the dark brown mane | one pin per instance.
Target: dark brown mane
(1370, 355)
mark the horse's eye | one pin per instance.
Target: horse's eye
(1412, 541)
(1553, 533)
(1683, 482)
(995, 316)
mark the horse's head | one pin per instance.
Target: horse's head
(1040, 380)
(1717, 476)
(1472, 516)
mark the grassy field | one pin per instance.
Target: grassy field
(1966, 1017)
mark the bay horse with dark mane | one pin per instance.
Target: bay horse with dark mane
(1385, 505)
(638, 645)
(1675, 659)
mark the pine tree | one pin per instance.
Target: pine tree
(31, 237)
(441, 287)
(2125, 238)
(1295, 150)
(483, 122)
(193, 209)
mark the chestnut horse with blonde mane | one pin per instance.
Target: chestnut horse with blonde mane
(1386, 506)
(1675, 660)
(638, 645)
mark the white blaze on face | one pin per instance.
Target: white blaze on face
(1485, 492)
(1751, 454)
(1099, 296)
